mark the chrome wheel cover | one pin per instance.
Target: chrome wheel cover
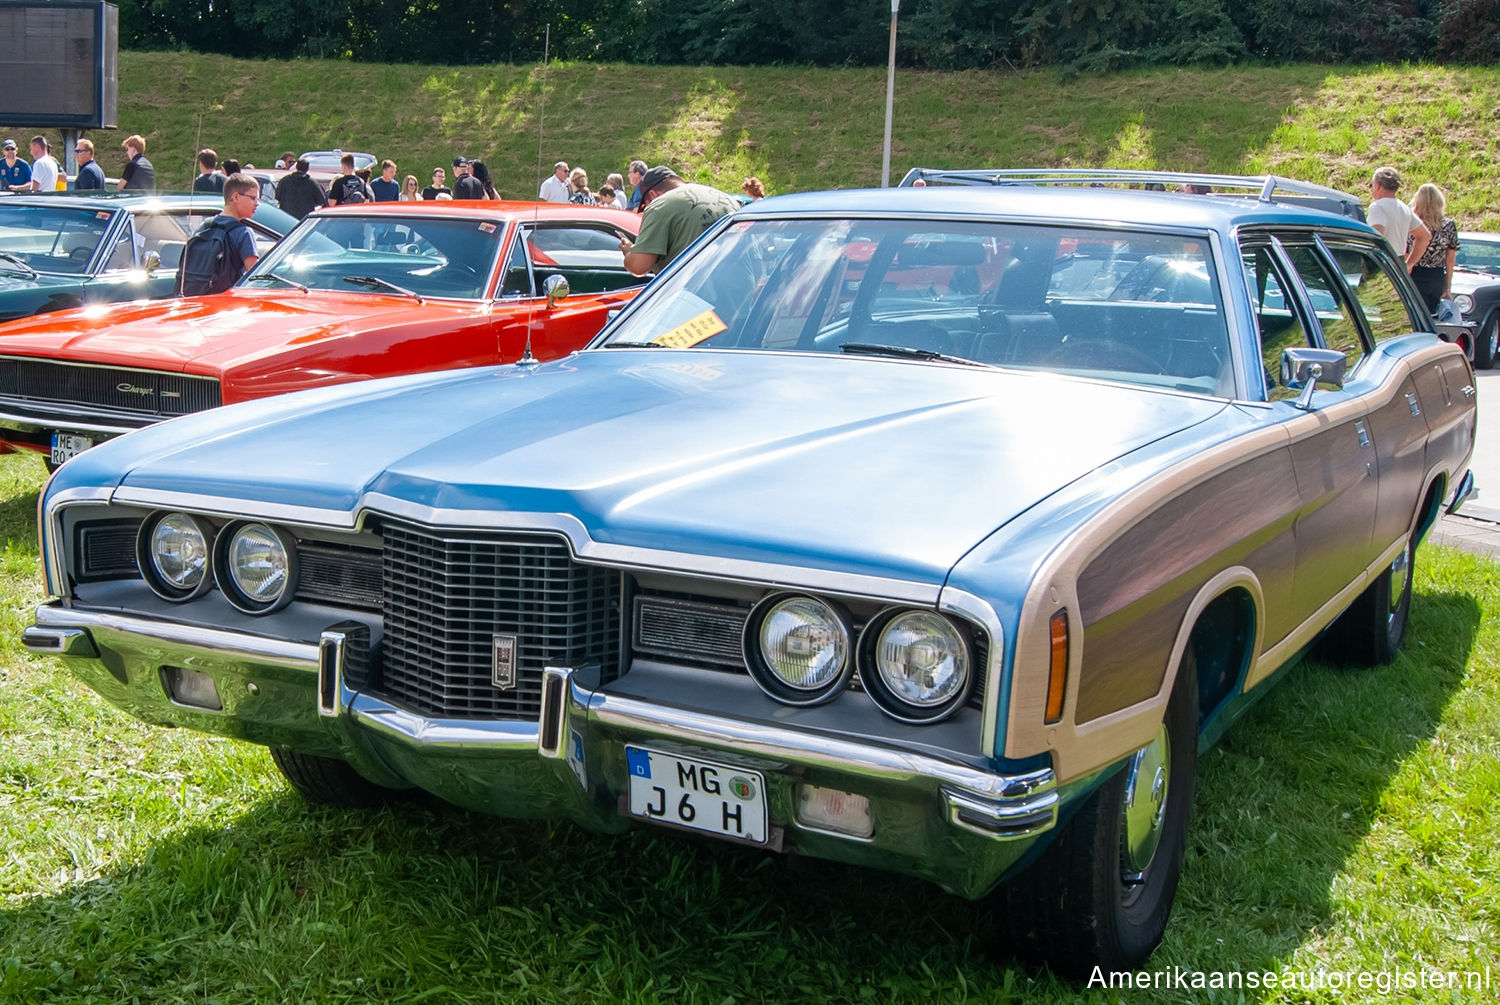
(1144, 807)
(1398, 573)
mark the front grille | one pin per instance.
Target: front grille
(145, 393)
(690, 630)
(106, 549)
(343, 577)
(447, 596)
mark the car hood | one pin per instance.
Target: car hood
(19, 293)
(861, 465)
(1465, 281)
(211, 334)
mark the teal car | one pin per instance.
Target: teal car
(65, 250)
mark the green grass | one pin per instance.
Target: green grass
(1348, 823)
(802, 129)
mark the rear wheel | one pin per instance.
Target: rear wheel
(1371, 631)
(1487, 347)
(330, 780)
(1101, 893)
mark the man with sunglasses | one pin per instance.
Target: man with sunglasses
(90, 175)
(223, 249)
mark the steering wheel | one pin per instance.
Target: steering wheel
(81, 255)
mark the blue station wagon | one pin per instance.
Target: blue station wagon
(935, 530)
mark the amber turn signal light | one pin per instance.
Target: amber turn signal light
(1057, 671)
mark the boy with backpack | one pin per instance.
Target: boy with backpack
(223, 249)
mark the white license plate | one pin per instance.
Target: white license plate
(700, 795)
(66, 445)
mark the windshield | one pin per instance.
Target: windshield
(1139, 307)
(57, 239)
(427, 256)
(1478, 256)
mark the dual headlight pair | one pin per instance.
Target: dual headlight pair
(916, 665)
(254, 564)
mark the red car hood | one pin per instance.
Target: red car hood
(214, 333)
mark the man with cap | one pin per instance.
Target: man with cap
(673, 214)
(15, 174)
(556, 188)
(465, 185)
(90, 177)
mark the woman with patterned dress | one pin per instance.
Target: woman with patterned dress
(1433, 272)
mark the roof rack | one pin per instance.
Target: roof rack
(1265, 188)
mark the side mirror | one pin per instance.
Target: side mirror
(1304, 368)
(151, 261)
(556, 288)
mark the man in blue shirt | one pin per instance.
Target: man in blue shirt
(14, 172)
(386, 188)
(90, 176)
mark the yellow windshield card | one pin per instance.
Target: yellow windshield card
(692, 331)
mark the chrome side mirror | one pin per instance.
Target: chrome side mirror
(556, 288)
(1304, 368)
(151, 261)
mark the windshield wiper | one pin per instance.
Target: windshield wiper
(904, 352)
(632, 345)
(28, 271)
(376, 281)
(280, 279)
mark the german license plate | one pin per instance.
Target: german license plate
(699, 795)
(66, 445)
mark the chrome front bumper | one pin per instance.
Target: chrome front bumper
(938, 818)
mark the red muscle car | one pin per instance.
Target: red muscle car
(370, 290)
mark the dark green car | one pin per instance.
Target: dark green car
(66, 250)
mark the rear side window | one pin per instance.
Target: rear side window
(1379, 292)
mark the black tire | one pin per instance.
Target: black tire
(330, 781)
(1371, 631)
(1487, 346)
(1085, 902)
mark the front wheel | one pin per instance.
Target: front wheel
(1101, 893)
(1487, 348)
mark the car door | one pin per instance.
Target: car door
(1426, 402)
(1334, 457)
(586, 253)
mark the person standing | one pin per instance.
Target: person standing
(438, 187)
(578, 188)
(223, 249)
(1394, 218)
(615, 184)
(209, 179)
(1433, 273)
(347, 187)
(139, 175)
(411, 191)
(299, 193)
(556, 188)
(482, 173)
(636, 172)
(90, 176)
(465, 185)
(385, 187)
(44, 169)
(15, 174)
(673, 215)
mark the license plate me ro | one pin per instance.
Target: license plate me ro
(66, 445)
(717, 799)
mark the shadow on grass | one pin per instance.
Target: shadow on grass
(292, 903)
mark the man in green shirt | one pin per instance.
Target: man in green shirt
(674, 214)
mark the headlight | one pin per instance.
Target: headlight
(256, 567)
(797, 649)
(172, 553)
(918, 666)
(1464, 303)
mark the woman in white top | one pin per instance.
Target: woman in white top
(410, 192)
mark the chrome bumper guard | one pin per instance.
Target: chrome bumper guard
(990, 806)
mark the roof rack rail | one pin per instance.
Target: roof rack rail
(1265, 188)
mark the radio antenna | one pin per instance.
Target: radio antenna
(527, 359)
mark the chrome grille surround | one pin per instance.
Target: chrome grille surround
(146, 394)
(449, 593)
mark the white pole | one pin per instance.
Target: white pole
(890, 100)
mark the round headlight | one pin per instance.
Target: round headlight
(921, 667)
(172, 552)
(1464, 303)
(256, 567)
(799, 650)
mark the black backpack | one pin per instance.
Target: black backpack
(354, 190)
(209, 262)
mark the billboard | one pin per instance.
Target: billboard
(59, 63)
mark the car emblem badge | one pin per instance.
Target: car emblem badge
(503, 671)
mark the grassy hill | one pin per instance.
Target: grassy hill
(808, 128)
